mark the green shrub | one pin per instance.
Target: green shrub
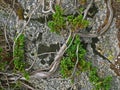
(60, 22)
(99, 83)
(19, 52)
(68, 62)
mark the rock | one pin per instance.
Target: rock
(39, 40)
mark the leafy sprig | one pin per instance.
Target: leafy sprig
(68, 62)
(18, 59)
(99, 83)
(60, 21)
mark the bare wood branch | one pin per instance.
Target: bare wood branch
(105, 28)
(5, 27)
(87, 35)
(54, 65)
(46, 53)
(2, 86)
(22, 30)
(87, 9)
(76, 61)
(28, 86)
(36, 55)
(24, 26)
(50, 8)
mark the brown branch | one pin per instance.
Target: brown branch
(54, 65)
(50, 8)
(87, 9)
(76, 61)
(105, 28)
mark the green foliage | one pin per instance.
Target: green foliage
(99, 83)
(1, 49)
(68, 62)
(93, 77)
(60, 22)
(19, 53)
(19, 62)
(67, 66)
(107, 82)
(77, 22)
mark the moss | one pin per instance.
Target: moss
(110, 57)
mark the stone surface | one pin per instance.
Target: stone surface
(40, 40)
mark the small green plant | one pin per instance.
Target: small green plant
(99, 83)
(68, 62)
(60, 22)
(77, 23)
(19, 62)
(19, 54)
(1, 49)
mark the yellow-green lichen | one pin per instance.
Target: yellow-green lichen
(110, 55)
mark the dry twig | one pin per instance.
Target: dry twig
(76, 61)
(87, 9)
(50, 8)
(54, 65)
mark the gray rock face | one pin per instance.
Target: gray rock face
(40, 40)
(41, 45)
